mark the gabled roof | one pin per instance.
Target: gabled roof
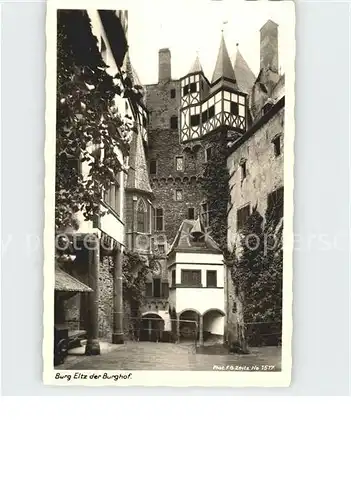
(196, 66)
(224, 67)
(185, 241)
(245, 78)
(64, 282)
(138, 175)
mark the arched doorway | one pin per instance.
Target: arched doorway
(152, 327)
(188, 325)
(213, 324)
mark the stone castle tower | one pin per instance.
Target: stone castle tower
(187, 117)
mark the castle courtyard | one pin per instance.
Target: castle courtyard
(167, 356)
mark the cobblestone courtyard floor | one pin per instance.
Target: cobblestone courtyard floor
(165, 356)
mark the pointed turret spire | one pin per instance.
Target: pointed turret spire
(196, 66)
(223, 68)
(244, 77)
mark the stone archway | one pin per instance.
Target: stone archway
(152, 328)
(213, 324)
(189, 325)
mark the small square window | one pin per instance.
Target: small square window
(194, 120)
(234, 108)
(193, 87)
(276, 145)
(211, 279)
(179, 163)
(208, 153)
(191, 213)
(174, 122)
(161, 249)
(173, 93)
(179, 195)
(153, 167)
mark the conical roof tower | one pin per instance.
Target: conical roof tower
(224, 69)
(244, 77)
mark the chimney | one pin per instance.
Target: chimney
(269, 47)
(164, 65)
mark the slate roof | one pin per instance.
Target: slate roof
(196, 66)
(224, 67)
(185, 241)
(64, 282)
(245, 78)
(138, 175)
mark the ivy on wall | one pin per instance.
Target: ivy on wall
(89, 128)
(216, 189)
(135, 271)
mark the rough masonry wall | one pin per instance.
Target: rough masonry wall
(105, 297)
(164, 147)
(264, 174)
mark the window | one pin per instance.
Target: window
(173, 278)
(204, 116)
(191, 213)
(211, 112)
(275, 204)
(208, 153)
(191, 278)
(165, 290)
(141, 217)
(179, 163)
(148, 290)
(234, 108)
(234, 308)
(174, 122)
(173, 93)
(241, 217)
(243, 169)
(205, 214)
(112, 198)
(194, 120)
(157, 288)
(153, 167)
(185, 90)
(193, 87)
(179, 195)
(276, 145)
(159, 219)
(211, 279)
(161, 249)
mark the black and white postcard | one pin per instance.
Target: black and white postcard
(169, 193)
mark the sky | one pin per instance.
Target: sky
(188, 27)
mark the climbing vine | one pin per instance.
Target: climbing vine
(135, 272)
(89, 127)
(216, 190)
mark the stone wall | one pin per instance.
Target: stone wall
(106, 297)
(264, 174)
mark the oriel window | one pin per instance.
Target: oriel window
(141, 217)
